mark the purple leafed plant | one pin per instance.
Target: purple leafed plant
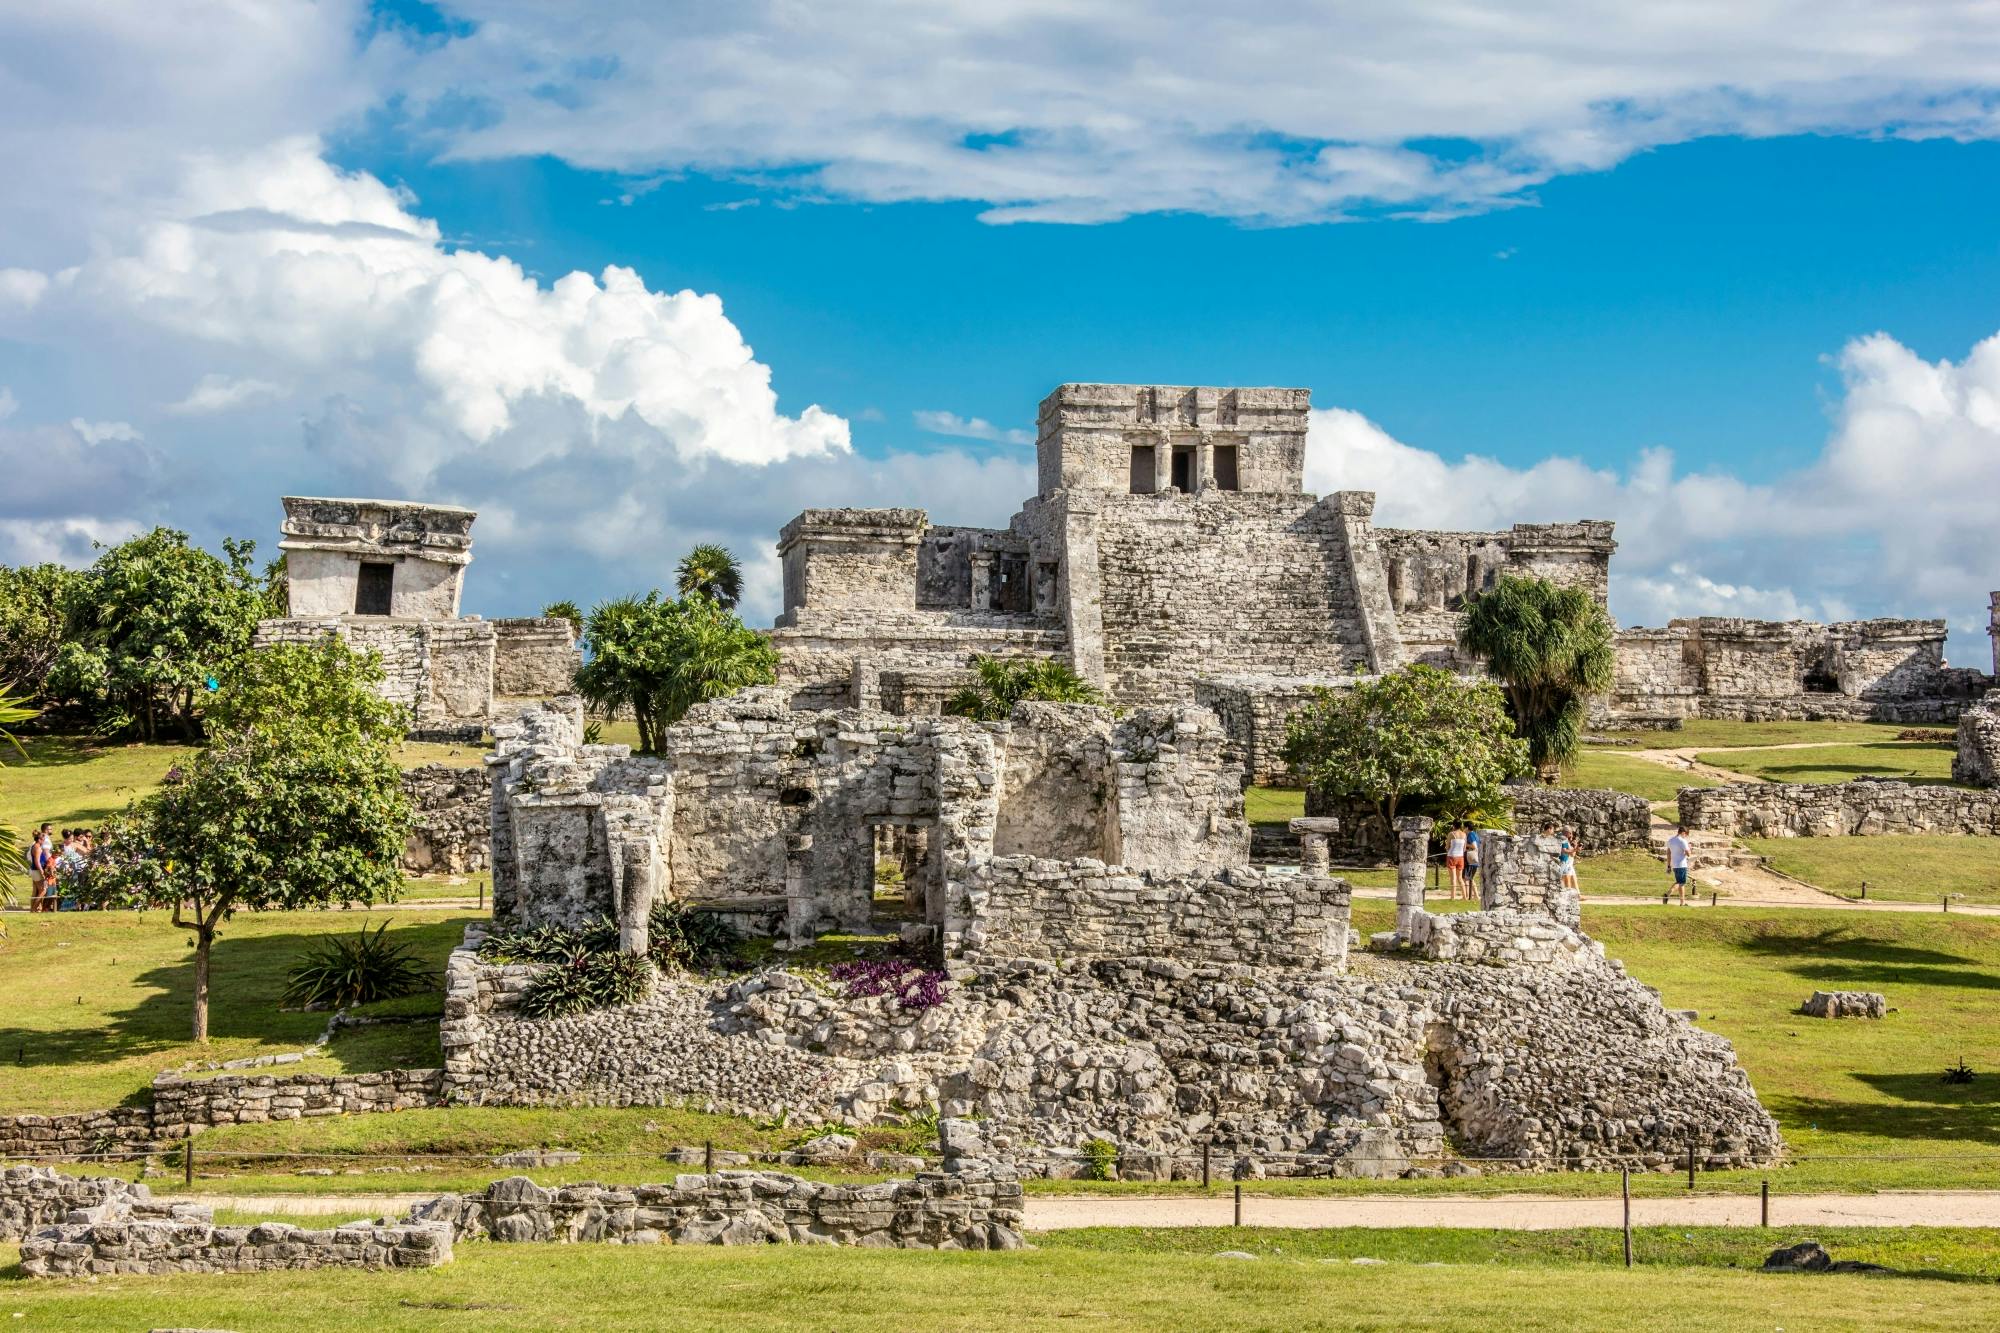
(913, 987)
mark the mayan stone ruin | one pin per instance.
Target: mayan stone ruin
(1114, 967)
(1172, 554)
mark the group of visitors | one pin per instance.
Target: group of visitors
(1462, 851)
(55, 865)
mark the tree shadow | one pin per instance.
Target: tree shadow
(1841, 942)
(53, 751)
(1876, 976)
(1969, 1121)
(247, 977)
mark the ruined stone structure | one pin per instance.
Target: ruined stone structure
(1978, 757)
(1170, 543)
(386, 575)
(1833, 810)
(453, 831)
(1105, 947)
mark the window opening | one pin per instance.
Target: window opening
(1143, 469)
(372, 593)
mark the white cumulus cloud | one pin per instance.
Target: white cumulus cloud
(220, 393)
(970, 428)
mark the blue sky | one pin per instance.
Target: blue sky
(627, 276)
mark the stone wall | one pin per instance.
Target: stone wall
(1831, 810)
(79, 1134)
(1600, 820)
(453, 829)
(1501, 938)
(1978, 757)
(441, 670)
(1028, 907)
(32, 1197)
(1254, 711)
(192, 1243)
(1519, 873)
(965, 1210)
(534, 657)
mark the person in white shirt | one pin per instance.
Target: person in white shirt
(1677, 861)
(1454, 858)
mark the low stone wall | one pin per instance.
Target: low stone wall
(194, 1244)
(1978, 757)
(32, 1197)
(1831, 810)
(966, 1210)
(184, 1104)
(1520, 874)
(454, 820)
(119, 1130)
(1027, 907)
(1501, 939)
(1600, 820)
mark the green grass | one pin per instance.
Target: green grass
(1913, 868)
(1701, 732)
(420, 888)
(1629, 773)
(98, 1002)
(1055, 1287)
(415, 754)
(73, 780)
(1273, 805)
(1914, 761)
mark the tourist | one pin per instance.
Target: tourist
(1567, 862)
(69, 870)
(1454, 857)
(1677, 861)
(1472, 851)
(41, 868)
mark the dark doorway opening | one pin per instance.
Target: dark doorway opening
(1225, 468)
(1184, 468)
(1144, 469)
(372, 592)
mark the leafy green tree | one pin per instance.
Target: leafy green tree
(295, 801)
(34, 602)
(151, 624)
(1551, 648)
(569, 611)
(1418, 740)
(659, 658)
(1004, 682)
(12, 850)
(713, 571)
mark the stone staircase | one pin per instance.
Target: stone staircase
(1706, 851)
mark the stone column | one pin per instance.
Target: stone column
(800, 910)
(1315, 854)
(640, 863)
(1413, 844)
(982, 580)
(1163, 465)
(1993, 629)
(1204, 464)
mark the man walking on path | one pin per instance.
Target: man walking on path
(1677, 861)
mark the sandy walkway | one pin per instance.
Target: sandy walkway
(1508, 1212)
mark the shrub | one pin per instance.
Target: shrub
(1959, 1073)
(912, 986)
(548, 944)
(584, 981)
(1100, 1160)
(344, 970)
(679, 937)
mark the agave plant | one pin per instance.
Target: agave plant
(345, 970)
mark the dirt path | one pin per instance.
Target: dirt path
(1509, 1212)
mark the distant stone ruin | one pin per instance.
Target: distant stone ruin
(1171, 554)
(386, 575)
(1114, 968)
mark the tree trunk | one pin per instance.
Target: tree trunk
(203, 937)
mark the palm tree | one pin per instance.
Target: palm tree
(713, 571)
(1551, 648)
(712, 655)
(1005, 682)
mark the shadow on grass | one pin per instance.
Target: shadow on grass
(1970, 1121)
(1875, 976)
(1840, 942)
(247, 976)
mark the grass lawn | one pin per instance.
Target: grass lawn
(1712, 731)
(415, 754)
(1915, 761)
(1273, 805)
(98, 1002)
(421, 888)
(1063, 1286)
(1629, 773)
(1917, 868)
(69, 780)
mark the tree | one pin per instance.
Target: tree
(712, 570)
(659, 658)
(295, 801)
(34, 600)
(151, 624)
(569, 611)
(1551, 647)
(1004, 682)
(12, 854)
(1418, 740)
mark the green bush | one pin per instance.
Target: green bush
(548, 944)
(584, 981)
(345, 970)
(681, 938)
(1100, 1157)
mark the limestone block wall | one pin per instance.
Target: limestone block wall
(1254, 710)
(192, 1243)
(1601, 820)
(32, 1197)
(851, 558)
(77, 1134)
(453, 820)
(838, 657)
(181, 1105)
(1028, 907)
(1831, 810)
(441, 670)
(967, 1210)
(1086, 434)
(1058, 784)
(1179, 792)
(534, 657)
(1978, 757)
(1519, 873)
(1501, 938)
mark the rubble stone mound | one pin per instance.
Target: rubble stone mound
(1845, 1004)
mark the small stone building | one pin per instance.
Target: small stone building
(386, 575)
